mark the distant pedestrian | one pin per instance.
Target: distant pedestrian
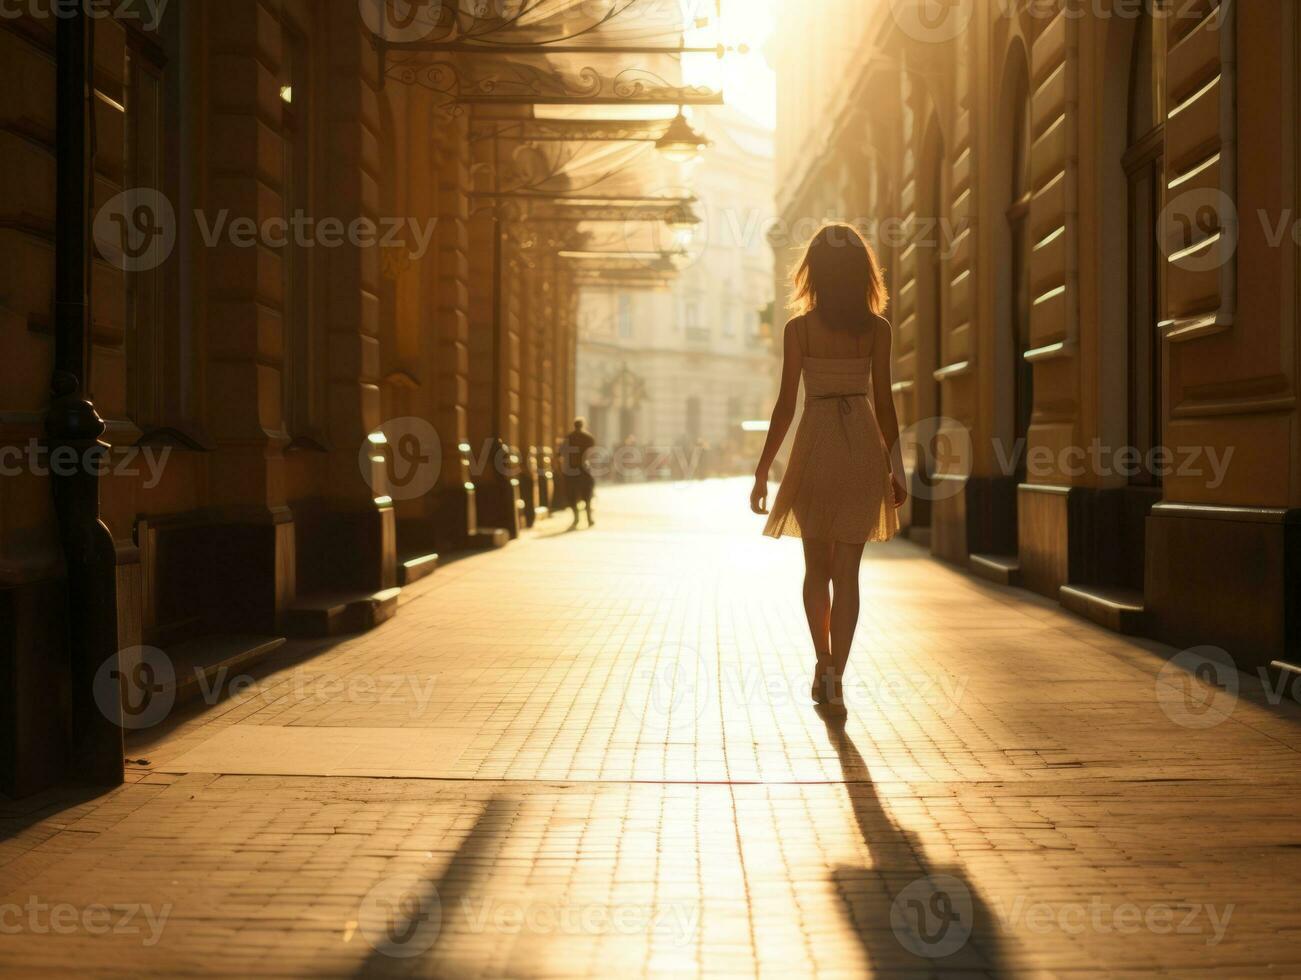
(576, 466)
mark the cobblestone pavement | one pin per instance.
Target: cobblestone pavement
(593, 754)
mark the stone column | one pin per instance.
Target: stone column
(253, 536)
(455, 515)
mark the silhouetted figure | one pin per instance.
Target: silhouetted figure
(577, 470)
(845, 479)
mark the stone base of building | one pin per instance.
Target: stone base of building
(33, 686)
(499, 505)
(345, 551)
(202, 575)
(455, 518)
(1228, 577)
(980, 518)
(1083, 536)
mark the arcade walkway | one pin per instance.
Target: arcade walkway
(592, 754)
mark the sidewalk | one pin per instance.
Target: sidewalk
(592, 754)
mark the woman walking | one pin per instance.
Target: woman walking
(845, 479)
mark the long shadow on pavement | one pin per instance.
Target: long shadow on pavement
(908, 913)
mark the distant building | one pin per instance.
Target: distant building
(691, 361)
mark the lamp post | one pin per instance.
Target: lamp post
(73, 430)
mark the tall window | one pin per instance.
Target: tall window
(935, 271)
(1143, 168)
(150, 166)
(1018, 218)
(298, 384)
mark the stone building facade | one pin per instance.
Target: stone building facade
(1088, 214)
(321, 353)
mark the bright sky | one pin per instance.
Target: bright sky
(747, 79)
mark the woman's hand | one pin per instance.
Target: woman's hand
(900, 491)
(759, 495)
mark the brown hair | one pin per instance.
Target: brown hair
(841, 277)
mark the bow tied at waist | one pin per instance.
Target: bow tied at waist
(846, 400)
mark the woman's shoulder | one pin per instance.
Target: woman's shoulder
(795, 327)
(881, 325)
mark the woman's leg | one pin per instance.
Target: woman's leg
(845, 564)
(817, 593)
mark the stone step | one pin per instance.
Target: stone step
(414, 569)
(208, 662)
(1003, 569)
(335, 614)
(488, 538)
(1121, 610)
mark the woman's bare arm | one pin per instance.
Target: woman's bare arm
(782, 415)
(886, 416)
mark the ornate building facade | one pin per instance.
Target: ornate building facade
(1095, 296)
(298, 271)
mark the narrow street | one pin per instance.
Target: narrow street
(593, 753)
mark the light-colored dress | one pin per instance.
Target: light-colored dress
(837, 484)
